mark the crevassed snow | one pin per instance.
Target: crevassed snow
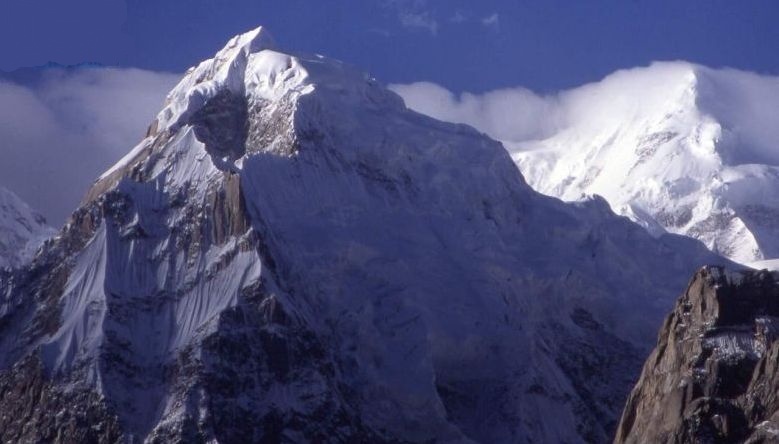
(22, 230)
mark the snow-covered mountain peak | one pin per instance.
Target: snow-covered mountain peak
(674, 145)
(636, 95)
(292, 255)
(251, 67)
(301, 94)
(22, 230)
(224, 71)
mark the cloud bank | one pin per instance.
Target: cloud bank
(60, 131)
(512, 114)
(433, 16)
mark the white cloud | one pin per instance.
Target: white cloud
(458, 17)
(57, 136)
(742, 102)
(491, 21)
(505, 114)
(414, 14)
(420, 20)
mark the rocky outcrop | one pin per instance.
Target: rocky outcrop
(34, 409)
(714, 375)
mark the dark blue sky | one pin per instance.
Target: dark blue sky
(463, 45)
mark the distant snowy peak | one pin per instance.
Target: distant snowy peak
(674, 146)
(22, 230)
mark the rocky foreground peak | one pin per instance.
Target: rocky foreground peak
(714, 374)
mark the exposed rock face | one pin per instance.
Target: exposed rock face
(714, 375)
(36, 410)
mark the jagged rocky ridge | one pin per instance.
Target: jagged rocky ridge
(292, 255)
(713, 376)
(22, 230)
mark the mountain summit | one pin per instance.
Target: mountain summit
(292, 255)
(676, 147)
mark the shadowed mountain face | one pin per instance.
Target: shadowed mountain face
(22, 230)
(291, 255)
(713, 376)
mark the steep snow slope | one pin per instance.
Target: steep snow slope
(676, 147)
(292, 255)
(22, 230)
